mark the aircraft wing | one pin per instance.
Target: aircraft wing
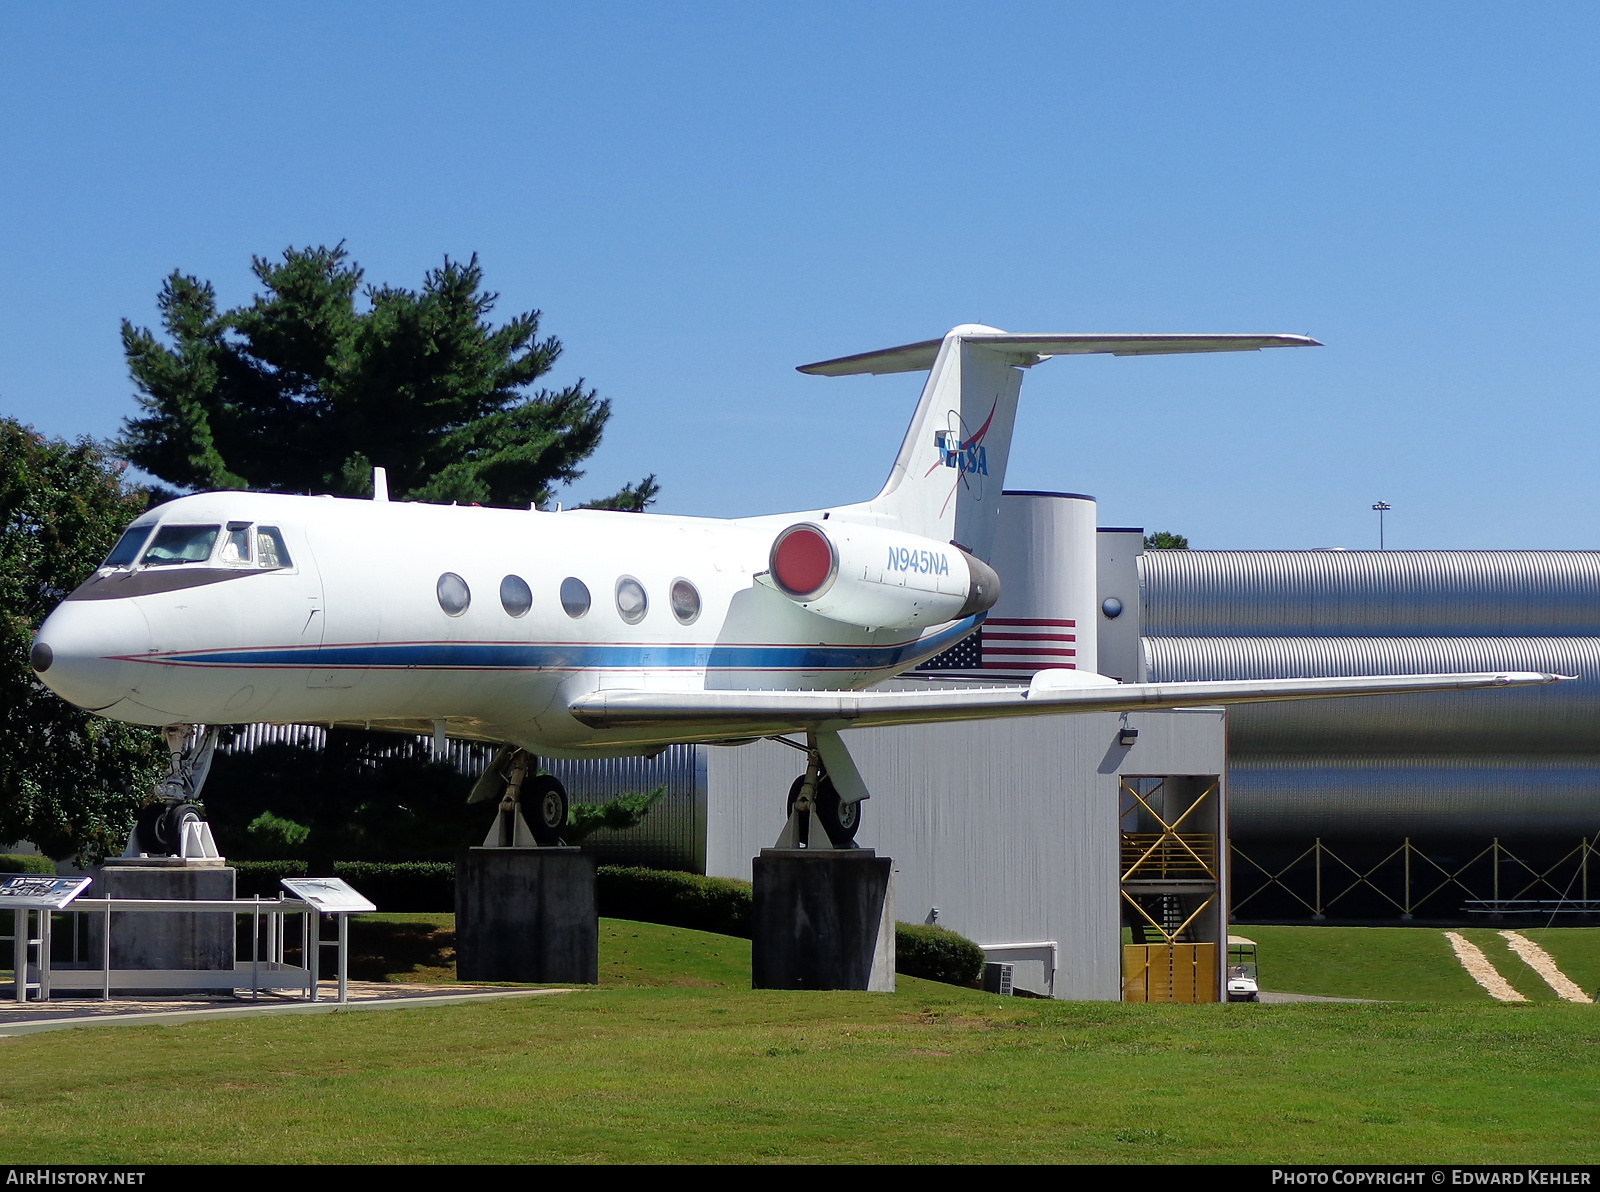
(714, 714)
(919, 357)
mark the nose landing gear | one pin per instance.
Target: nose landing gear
(172, 824)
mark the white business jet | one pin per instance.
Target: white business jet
(593, 633)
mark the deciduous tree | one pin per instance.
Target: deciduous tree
(69, 781)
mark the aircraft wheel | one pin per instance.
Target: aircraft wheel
(159, 827)
(839, 820)
(145, 827)
(169, 829)
(544, 806)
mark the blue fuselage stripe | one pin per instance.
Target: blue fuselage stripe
(581, 655)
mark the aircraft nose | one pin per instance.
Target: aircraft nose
(82, 648)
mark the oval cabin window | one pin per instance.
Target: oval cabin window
(685, 601)
(632, 603)
(574, 596)
(515, 595)
(454, 595)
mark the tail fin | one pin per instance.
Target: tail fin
(946, 481)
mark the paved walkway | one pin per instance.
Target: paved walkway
(63, 1012)
(1278, 999)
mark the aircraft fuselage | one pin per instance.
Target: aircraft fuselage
(249, 607)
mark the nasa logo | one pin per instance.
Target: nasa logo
(924, 562)
(967, 457)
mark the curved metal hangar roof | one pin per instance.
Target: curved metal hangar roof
(1513, 763)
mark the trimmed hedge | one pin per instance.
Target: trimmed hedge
(719, 904)
(403, 885)
(936, 954)
(261, 877)
(392, 885)
(26, 863)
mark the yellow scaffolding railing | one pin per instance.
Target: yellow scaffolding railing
(1170, 850)
(1153, 856)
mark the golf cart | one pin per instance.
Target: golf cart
(1242, 985)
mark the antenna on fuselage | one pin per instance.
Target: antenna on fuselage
(380, 484)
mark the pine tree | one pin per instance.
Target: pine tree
(306, 389)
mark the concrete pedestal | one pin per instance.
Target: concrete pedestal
(164, 941)
(527, 914)
(823, 919)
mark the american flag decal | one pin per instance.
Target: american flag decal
(1029, 643)
(1016, 644)
(965, 655)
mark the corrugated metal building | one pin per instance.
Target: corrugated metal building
(1509, 763)
(1508, 781)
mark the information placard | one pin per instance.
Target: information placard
(329, 894)
(36, 892)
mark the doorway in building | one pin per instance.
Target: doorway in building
(1171, 882)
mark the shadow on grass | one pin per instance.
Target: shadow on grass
(401, 951)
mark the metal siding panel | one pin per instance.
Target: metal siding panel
(1345, 796)
(672, 835)
(1560, 718)
(1524, 762)
(1370, 593)
(1117, 640)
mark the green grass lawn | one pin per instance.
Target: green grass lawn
(674, 1058)
(1412, 963)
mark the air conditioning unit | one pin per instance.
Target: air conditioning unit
(997, 978)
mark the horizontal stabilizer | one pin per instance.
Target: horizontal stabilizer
(719, 714)
(1030, 349)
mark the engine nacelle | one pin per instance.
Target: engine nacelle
(879, 579)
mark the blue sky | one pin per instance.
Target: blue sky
(701, 197)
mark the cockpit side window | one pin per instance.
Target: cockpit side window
(270, 550)
(127, 548)
(181, 544)
(236, 546)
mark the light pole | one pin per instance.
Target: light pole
(1381, 508)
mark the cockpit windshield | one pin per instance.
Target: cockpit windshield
(236, 546)
(269, 544)
(181, 544)
(127, 548)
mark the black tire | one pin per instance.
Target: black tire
(159, 827)
(145, 828)
(841, 821)
(544, 806)
(169, 828)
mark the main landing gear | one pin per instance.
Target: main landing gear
(813, 799)
(172, 824)
(541, 796)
